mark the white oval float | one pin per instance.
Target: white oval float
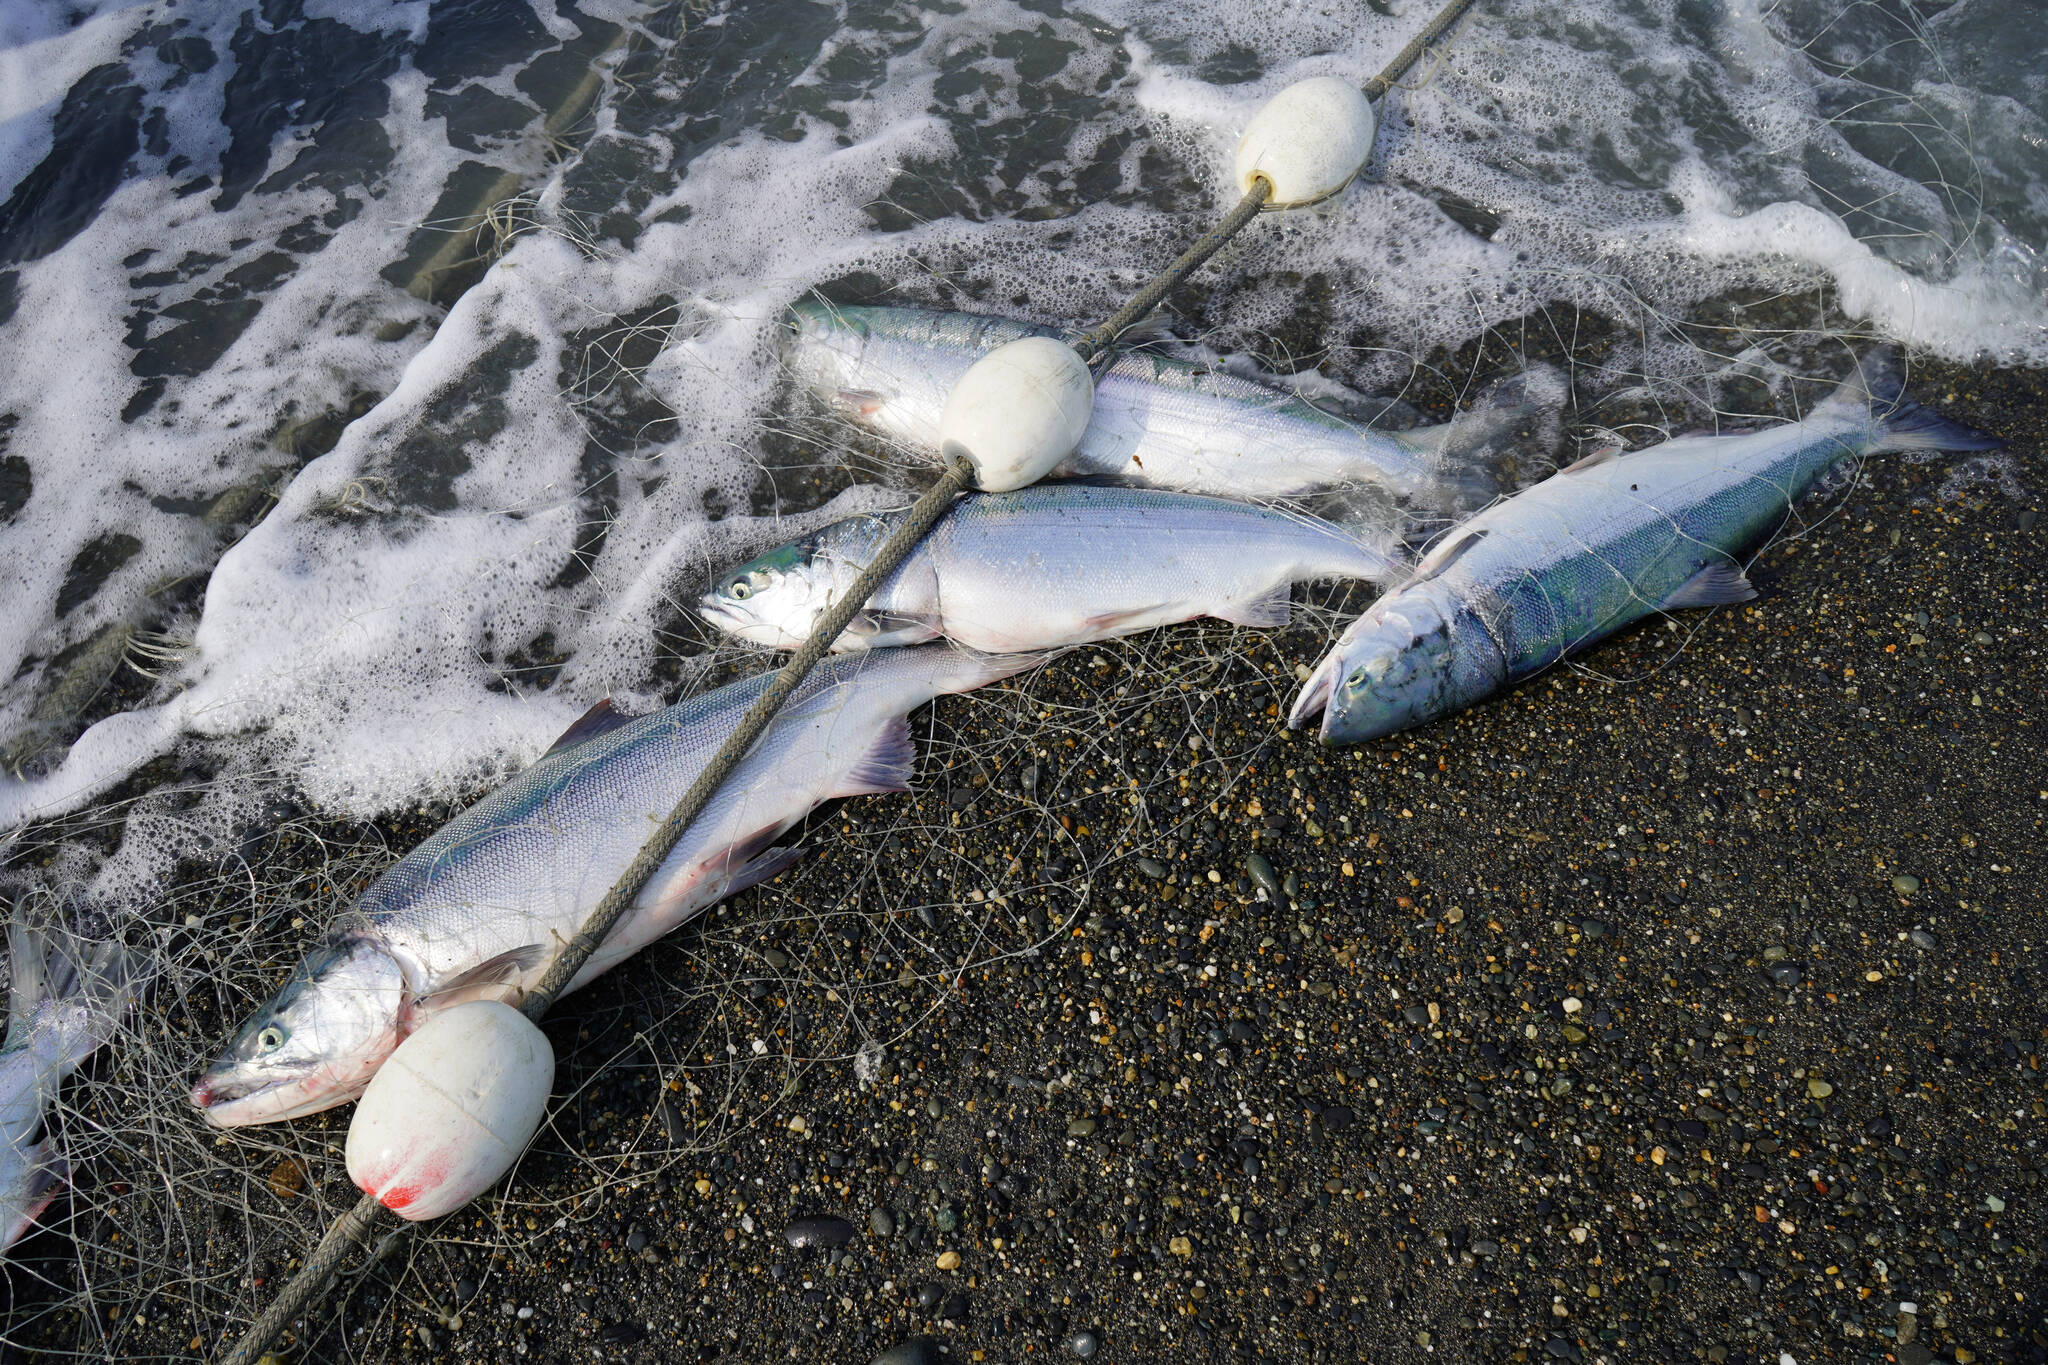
(449, 1112)
(1017, 412)
(1309, 141)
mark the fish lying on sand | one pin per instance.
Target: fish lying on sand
(1052, 565)
(481, 908)
(1159, 422)
(1590, 549)
(64, 1001)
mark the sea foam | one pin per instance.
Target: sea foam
(538, 477)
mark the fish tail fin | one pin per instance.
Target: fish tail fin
(1463, 453)
(51, 964)
(1878, 391)
(1351, 556)
(45, 1171)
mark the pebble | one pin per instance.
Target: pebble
(1818, 1088)
(948, 1260)
(1084, 1343)
(1784, 974)
(1572, 1004)
(882, 1222)
(1905, 884)
(1260, 870)
(913, 1351)
(287, 1178)
(1593, 928)
(1080, 1127)
(818, 1230)
(1922, 939)
(1152, 868)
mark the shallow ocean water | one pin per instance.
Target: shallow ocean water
(230, 230)
(383, 379)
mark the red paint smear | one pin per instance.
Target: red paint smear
(430, 1174)
(400, 1197)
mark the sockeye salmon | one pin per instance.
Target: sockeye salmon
(482, 907)
(1159, 422)
(1602, 543)
(1051, 565)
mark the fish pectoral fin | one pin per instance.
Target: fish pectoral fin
(1598, 456)
(860, 402)
(1137, 618)
(1267, 610)
(887, 629)
(1717, 585)
(886, 766)
(485, 981)
(600, 719)
(1447, 554)
(760, 868)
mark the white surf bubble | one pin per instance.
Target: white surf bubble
(501, 537)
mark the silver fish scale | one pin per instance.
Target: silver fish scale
(1017, 570)
(1158, 422)
(526, 864)
(1591, 549)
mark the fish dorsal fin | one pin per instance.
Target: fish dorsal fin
(1717, 585)
(487, 980)
(600, 719)
(1599, 455)
(1447, 554)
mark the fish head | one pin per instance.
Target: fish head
(1404, 662)
(312, 1045)
(822, 345)
(776, 599)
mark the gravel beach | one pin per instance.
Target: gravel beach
(1693, 1017)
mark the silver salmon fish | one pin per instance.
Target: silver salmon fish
(65, 1000)
(482, 907)
(1044, 567)
(1594, 547)
(1159, 422)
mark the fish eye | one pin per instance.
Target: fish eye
(271, 1039)
(1357, 678)
(741, 589)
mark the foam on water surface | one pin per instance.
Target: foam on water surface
(216, 222)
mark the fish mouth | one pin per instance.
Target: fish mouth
(718, 614)
(225, 1105)
(1315, 695)
(747, 629)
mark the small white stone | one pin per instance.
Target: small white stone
(1572, 1004)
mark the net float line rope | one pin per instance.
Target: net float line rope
(355, 1226)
